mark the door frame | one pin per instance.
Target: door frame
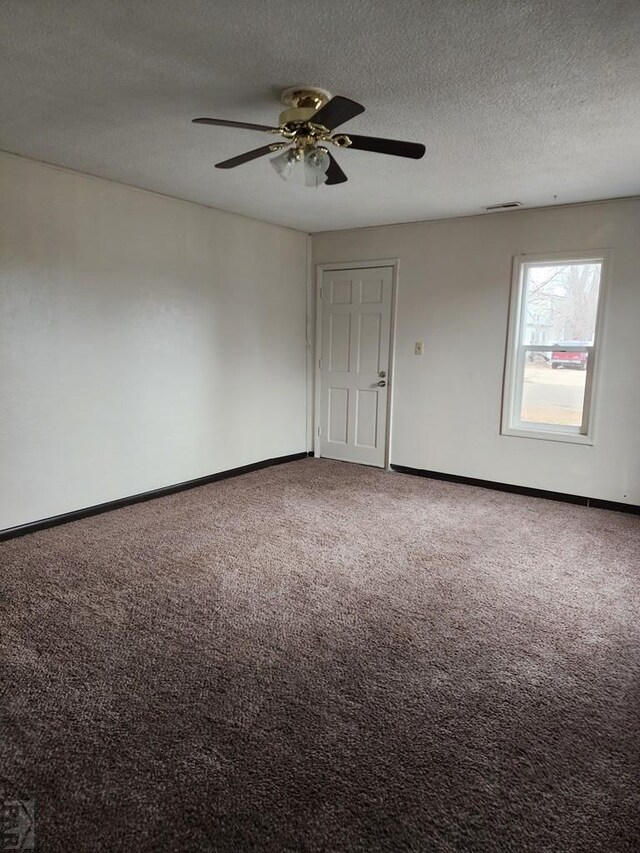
(394, 263)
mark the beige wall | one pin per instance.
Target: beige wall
(146, 341)
(143, 341)
(453, 294)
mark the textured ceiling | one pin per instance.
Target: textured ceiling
(533, 101)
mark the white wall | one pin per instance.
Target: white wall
(453, 294)
(143, 341)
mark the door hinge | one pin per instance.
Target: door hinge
(318, 431)
(319, 364)
(322, 293)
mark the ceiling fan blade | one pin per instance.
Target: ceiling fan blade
(335, 175)
(245, 158)
(224, 123)
(336, 112)
(415, 150)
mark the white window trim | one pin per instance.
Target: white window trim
(512, 392)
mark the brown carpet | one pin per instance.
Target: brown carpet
(326, 657)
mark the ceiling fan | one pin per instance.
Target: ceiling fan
(307, 125)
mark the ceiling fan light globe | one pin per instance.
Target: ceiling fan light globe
(317, 158)
(283, 164)
(316, 163)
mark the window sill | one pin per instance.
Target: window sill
(549, 435)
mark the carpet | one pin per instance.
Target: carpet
(325, 657)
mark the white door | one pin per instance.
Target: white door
(354, 364)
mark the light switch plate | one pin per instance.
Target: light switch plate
(419, 350)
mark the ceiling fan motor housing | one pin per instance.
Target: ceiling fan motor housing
(296, 114)
(302, 102)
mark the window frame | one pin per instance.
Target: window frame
(511, 425)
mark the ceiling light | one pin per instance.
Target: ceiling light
(284, 162)
(308, 127)
(316, 163)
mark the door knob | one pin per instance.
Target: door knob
(381, 384)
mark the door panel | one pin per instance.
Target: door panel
(369, 343)
(339, 342)
(366, 418)
(371, 291)
(340, 292)
(338, 415)
(356, 328)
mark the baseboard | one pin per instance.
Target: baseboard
(520, 490)
(76, 515)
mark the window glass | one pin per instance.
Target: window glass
(552, 348)
(560, 303)
(553, 393)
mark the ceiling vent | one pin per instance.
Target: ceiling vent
(506, 205)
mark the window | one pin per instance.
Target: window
(553, 347)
